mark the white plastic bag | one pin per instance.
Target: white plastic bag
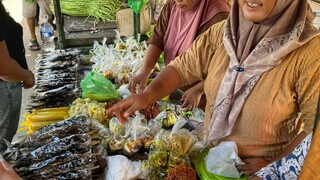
(121, 168)
(223, 159)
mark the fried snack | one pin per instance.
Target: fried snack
(176, 160)
(179, 142)
(117, 142)
(151, 111)
(132, 146)
(181, 172)
(157, 157)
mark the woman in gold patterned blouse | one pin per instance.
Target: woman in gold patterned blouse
(261, 69)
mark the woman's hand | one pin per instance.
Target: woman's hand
(252, 165)
(192, 97)
(124, 108)
(7, 172)
(138, 83)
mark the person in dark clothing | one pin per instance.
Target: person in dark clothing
(14, 75)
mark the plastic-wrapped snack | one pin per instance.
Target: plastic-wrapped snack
(103, 133)
(76, 174)
(148, 141)
(181, 172)
(102, 155)
(62, 157)
(145, 170)
(167, 117)
(154, 127)
(86, 161)
(139, 127)
(157, 157)
(157, 174)
(151, 111)
(132, 146)
(76, 141)
(180, 141)
(115, 126)
(170, 120)
(176, 160)
(81, 121)
(116, 142)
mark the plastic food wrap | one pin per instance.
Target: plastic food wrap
(158, 156)
(119, 61)
(76, 174)
(103, 133)
(117, 142)
(116, 127)
(77, 141)
(178, 140)
(63, 150)
(176, 160)
(82, 121)
(167, 117)
(122, 168)
(45, 135)
(132, 145)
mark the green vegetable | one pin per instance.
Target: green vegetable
(101, 10)
(187, 113)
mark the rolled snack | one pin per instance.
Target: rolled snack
(76, 141)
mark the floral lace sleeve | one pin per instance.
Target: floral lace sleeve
(288, 167)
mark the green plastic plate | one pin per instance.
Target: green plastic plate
(202, 172)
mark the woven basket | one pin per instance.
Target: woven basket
(125, 21)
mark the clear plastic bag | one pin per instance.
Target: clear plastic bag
(176, 160)
(179, 140)
(115, 126)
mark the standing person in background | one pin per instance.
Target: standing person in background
(14, 74)
(179, 24)
(29, 11)
(261, 73)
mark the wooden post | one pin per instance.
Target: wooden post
(59, 24)
(136, 24)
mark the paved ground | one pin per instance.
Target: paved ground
(15, 9)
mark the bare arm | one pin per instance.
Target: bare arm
(150, 59)
(166, 82)
(11, 71)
